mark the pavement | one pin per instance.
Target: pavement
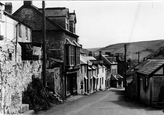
(73, 98)
(109, 102)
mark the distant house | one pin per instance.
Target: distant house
(82, 80)
(95, 77)
(92, 75)
(133, 81)
(102, 76)
(113, 79)
(151, 83)
(62, 47)
(116, 79)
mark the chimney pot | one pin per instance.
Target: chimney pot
(8, 7)
(100, 55)
(27, 3)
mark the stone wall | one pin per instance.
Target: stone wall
(158, 83)
(15, 75)
(53, 78)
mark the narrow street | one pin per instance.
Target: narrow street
(110, 102)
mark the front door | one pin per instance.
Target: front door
(71, 84)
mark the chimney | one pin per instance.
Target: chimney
(100, 55)
(8, 7)
(27, 3)
(90, 53)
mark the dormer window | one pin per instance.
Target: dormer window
(20, 31)
(73, 27)
(67, 24)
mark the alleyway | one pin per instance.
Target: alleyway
(110, 102)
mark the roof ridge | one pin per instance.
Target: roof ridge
(54, 23)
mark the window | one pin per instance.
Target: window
(72, 51)
(67, 24)
(114, 71)
(31, 51)
(26, 33)
(67, 54)
(10, 56)
(77, 56)
(72, 27)
(70, 55)
(20, 30)
(74, 58)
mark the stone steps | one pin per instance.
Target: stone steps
(29, 112)
(25, 110)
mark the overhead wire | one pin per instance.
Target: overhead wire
(135, 19)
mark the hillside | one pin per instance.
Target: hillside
(93, 49)
(144, 47)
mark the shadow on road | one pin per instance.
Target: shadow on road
(123, 101)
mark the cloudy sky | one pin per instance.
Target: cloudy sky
(101, 23)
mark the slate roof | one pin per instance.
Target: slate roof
(105, 59)
(90, 58)
(1, 3)
(116, 77)
(69, 42)
(151, 66)
(82, 51)
(12, 17)
(134, 68)
(83, 60)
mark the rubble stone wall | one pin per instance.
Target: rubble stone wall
(15, 75)
(54, 80)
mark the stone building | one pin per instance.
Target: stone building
(62, 47)
(151, 80)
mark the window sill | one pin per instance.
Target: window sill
(2, 21)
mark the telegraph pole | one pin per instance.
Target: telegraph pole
(125, 51)
(44, 44)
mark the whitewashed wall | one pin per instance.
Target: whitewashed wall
(103, 77)
(99, 77)
(10, 29)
